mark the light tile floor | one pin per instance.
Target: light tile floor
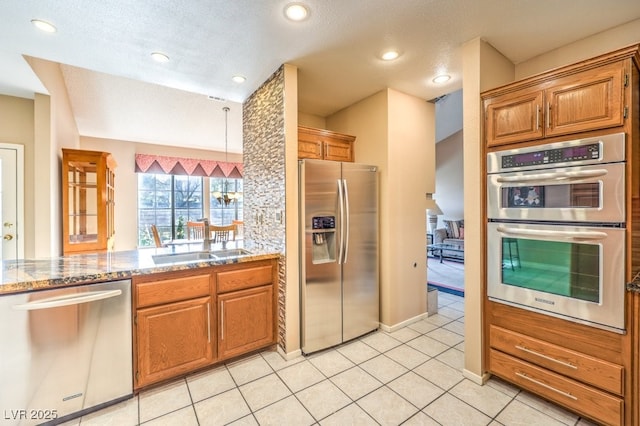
(412, 376)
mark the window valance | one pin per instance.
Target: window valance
(146, 163)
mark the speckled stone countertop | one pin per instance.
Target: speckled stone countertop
(634, 285)
(40, 274)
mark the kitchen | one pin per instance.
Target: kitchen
(394, 309)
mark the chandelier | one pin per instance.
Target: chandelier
(226, 197)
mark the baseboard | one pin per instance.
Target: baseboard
(478, 380)
(289, 355)
(396, 327)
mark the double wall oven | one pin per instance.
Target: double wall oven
(556, 229)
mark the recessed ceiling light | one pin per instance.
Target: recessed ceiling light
(160, 57)
(390, 55)
(44, 25)
(443, 78)
(296, 11)
(239, 78)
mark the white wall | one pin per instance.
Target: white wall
(586, 48)
(448, 115)
(396, 132)
(449, 193)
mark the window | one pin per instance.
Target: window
(168, 201)
(221, 213)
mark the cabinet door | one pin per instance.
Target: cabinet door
(173, 339)
(309, 145)
(87, 201)
(246, 321)
(589, 100)
(514, 117)
(338, 150)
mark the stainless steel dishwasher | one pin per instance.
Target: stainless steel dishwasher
(64, 352)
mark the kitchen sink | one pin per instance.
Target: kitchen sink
(181, 257)
(225, 253)
(194, 256)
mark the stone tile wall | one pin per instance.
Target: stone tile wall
(264, 176)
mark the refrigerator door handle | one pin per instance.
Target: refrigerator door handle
(341, 203)
(348, 220)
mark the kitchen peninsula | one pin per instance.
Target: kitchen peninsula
(106, 325)
(24, 275)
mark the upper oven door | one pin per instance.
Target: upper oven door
(570, 194)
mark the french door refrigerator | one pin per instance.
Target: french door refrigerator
(339, 252)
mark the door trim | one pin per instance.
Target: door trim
(19, 196)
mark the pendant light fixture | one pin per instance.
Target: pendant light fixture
(226, 197)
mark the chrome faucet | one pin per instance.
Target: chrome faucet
(206, 242)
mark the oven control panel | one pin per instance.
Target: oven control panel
(552, 156)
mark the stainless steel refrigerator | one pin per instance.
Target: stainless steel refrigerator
(339, 248)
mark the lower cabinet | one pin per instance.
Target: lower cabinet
(580, 382)
(570, 393)
(245, 321)
(188, 320)
(246, 307)
(582, 368)
(173, 339)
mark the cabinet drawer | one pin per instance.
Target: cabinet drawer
(574, 395)
(239, 279)
(171, 290)
(594, 371)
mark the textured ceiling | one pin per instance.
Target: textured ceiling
(117, 91)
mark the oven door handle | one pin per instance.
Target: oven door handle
(554, 176)
(553, 235)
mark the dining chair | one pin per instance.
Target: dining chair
(239, 232)
(156, 236)
(195, 230)
(223, 233)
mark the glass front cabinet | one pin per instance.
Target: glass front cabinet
(87, 201)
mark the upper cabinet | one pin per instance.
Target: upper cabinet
(324, 144)
(87, 201)
(562, 102)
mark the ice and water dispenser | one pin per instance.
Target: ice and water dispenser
(323, 239)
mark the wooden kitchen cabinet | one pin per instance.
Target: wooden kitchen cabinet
(577, 366)
(572, 394)
(175, 338)
(323, 144)
(188, 320)
(246, 321)
(552, 106)
(246, 309)
(88, 185)
(588, 370)
(173, 327)
(514, 117)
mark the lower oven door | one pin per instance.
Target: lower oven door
(572, 272)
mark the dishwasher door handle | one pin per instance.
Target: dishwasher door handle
(67, 299)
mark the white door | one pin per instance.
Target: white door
(12, 201)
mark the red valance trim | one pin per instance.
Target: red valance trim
(186, 166)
